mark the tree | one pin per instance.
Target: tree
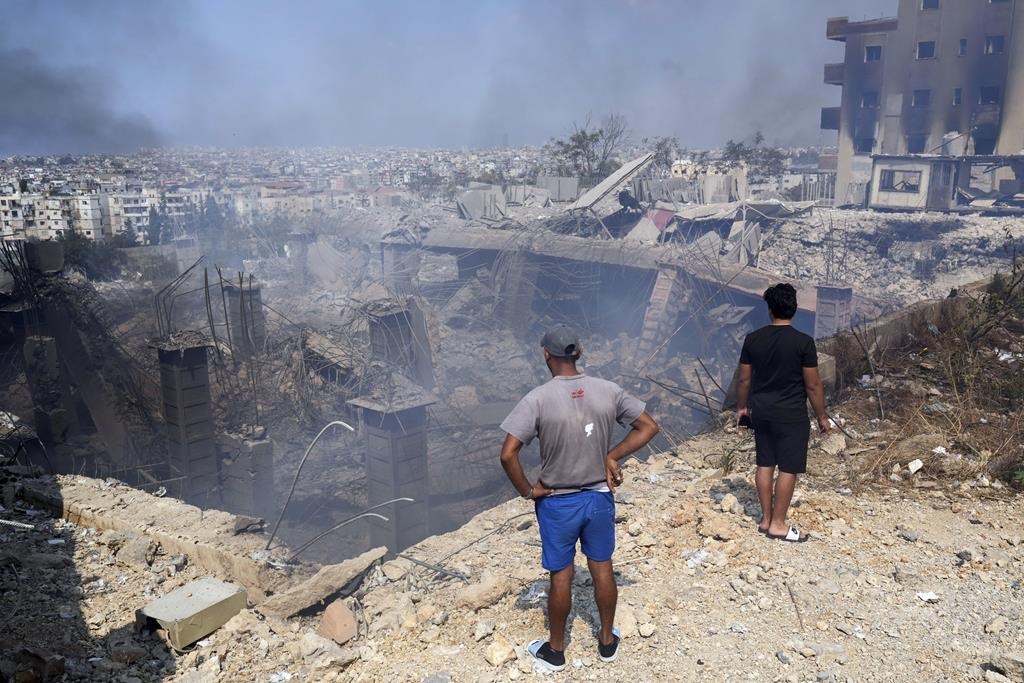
(157, 223)
(666, 150)
(588, 152)
(98, 260)
(127, 237)
(212, 218)
(762, 162)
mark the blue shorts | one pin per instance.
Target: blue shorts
(586, 516)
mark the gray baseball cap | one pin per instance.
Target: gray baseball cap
(561, 341)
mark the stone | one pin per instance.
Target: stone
(833, 443)
(635, 528)
(909, 535)
(728, 502)
(625, 620)
(489, 590)
(996, 677)
(338, 623)
(647, 630)
(139, 552)
(484, 628)
(179, 562)
(442, 677)
(246, 524)
(914, 466)
(996, 625)
(783, 657)
(431, 635)
(312, 646)
(716, 527)
(395, 570)
(499, 651)
(126, 652)
(844, 627)
(1010, 664)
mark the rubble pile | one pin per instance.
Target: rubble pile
(895, 258)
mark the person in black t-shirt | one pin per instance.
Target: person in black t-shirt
(778, 373)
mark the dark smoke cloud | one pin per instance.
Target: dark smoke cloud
(408, 73)
(51, 110)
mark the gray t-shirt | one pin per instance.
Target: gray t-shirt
(575, 419)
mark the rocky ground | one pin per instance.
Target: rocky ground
(898, 584)
(912, 580)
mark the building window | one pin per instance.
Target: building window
(958, 96)
(929, 4)
(921, 98)
(926, 49)
(863, 145)
(869, 99)
(916, 144)
(963, 47)
(873, 53)
(994, 45)
(989, 95)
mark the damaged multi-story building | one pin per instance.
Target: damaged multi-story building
(942, 77)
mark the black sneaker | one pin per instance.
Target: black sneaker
(610, 651)
(546, 658)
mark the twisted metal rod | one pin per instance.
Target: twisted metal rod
(299, 471)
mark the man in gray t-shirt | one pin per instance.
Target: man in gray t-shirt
(574, 417)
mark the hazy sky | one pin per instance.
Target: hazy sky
(111, 75)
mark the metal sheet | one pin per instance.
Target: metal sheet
(606, 186)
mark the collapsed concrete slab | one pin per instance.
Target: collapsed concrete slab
(325, 583)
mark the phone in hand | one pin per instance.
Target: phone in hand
(745, 422)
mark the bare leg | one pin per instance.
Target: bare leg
(785, 484)
(606, 594)
(559, 604)
(763, 482)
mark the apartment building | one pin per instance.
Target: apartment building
(86, 215)
(942, 77)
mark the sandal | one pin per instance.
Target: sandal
(791, 536)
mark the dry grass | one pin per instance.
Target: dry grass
(950, 375)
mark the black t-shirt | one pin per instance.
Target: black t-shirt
(778, 354)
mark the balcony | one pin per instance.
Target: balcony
(835, 74)
(837, 28)
(830, 118)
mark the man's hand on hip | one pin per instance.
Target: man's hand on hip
(613, 473)
(539, 490)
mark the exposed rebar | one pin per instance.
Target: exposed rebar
(299, 471)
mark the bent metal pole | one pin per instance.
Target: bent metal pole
(299, 471)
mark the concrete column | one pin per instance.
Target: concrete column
(247, 474)
(396, 466)
(185, 382)
(401, 264)
(516, 288)
(248, 325)
(666, 301)
(833, 311)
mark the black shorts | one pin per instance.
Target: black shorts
(782, 444)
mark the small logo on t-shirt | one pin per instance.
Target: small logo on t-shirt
(577, 394)
(589, 429)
